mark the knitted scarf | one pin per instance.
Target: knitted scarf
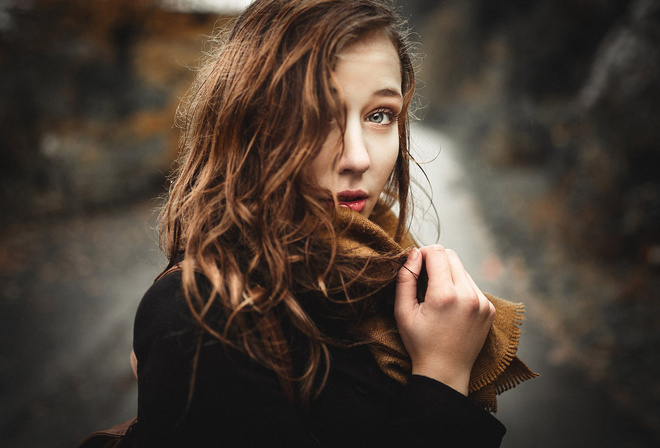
(497, 367)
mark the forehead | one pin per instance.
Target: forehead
(372, 42)
(375, 53)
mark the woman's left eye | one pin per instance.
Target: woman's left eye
(380, 117)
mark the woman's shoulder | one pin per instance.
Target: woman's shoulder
(164, 311)
(164, 298)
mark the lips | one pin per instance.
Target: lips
(356, 200)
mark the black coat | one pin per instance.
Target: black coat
(238, 403)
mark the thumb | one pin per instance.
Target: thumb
(406, 284)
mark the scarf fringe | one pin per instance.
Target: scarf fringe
(509, 351)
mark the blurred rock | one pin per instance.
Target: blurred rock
(621, 102)
(88, 96)
(556, 104)
(570, 87)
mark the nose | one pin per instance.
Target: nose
(355, 157)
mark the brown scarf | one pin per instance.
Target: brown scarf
(497, 367)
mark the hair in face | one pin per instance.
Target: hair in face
(242, 208)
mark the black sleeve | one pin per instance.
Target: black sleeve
(234, 402)
(433, 414)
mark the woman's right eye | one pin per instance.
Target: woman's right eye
(381, 117)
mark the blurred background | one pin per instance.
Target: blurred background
(540, 116)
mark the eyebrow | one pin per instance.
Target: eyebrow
(388, 93)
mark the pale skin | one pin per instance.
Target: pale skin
(369, 79)
(443, 334)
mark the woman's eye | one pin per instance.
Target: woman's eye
(380, 117)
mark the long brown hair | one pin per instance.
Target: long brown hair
(242, 209)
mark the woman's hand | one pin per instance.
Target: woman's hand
(134, 363)
(444, 334)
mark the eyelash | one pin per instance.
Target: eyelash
(387, 113)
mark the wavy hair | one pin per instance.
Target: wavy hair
(242, 209)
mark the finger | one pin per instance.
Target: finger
(437, 267)
(474, 286)
(458, 273)
(406, 284)
(482, 296)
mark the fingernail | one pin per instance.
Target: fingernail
(414, 254)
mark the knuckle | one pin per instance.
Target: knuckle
(492, 312)
(404, 275)
(472, 303)
(455, 260)
(405, 282)
(435, 248)
(451, 253)
(445, 296)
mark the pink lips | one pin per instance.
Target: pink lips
(356, 200)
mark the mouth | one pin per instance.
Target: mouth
(356, 200)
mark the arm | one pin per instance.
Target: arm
(435, 415)
(234, 401)
(443, 335)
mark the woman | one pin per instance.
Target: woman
(277, 321)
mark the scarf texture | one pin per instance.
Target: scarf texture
(496, 369)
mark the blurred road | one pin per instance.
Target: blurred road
(562, 407)
(69, 289)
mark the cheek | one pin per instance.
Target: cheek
(389, 153)
(316, 169)
(322, 167)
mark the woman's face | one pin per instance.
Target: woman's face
(369, 77)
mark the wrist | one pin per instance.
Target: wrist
(458, 380)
